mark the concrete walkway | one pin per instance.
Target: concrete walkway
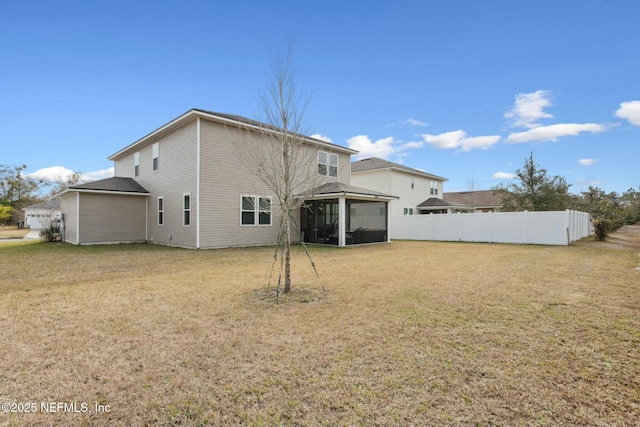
(31, 235)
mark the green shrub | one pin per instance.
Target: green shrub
(50, 234)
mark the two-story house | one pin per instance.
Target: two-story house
(188, 184)
(417, 191)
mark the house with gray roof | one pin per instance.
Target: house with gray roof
(477, 200)
(413, 187)
(187, 184)
(42, 215)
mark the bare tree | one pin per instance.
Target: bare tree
(278, 151)
(473, 186)
(70, 180)
(50, 225)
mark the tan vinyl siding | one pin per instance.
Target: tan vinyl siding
(223, 181)
(124, 167)
(111, 218)
(68, 207)
(176, 175)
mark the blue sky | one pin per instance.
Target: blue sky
(461, 89)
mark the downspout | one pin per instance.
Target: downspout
(198, 183)
(342, 221)
(78, 217)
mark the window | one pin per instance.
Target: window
(136, 164)
(434, 188)
(160, 210)
(413, 183)
(327, 164)
(186, 209)
(155, 149)
(408, 211)
(255, 210)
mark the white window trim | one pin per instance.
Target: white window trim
(184, 210)
(136, 164)
(434, 188)
(160, 211)
(328, 163)
(155, 155)
(256, 210)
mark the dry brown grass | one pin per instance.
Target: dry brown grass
(13, 232)
(410, 333)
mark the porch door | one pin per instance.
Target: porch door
(321, 222)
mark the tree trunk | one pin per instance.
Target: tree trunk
(287, 257)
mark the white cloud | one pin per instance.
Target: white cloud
(414, 122)
(479, 142)
(51, 174)
(504, 175)
(630, 110)
(324, 138)
(61, 173)
(553, 132)
(99, 174)
(411, 145)
(586, 162)
(527, 110)
(382, 148)
(459, 139)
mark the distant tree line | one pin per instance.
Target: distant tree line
(18, 191)
(535, 190)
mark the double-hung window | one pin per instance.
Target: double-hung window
(327, 164)
(136, 163)
(434, 188)
(255, 210)
(160, 210)
(155, 153)
(186, 209)
(408, 211)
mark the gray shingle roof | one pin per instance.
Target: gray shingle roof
(211, 115)
(476, 199)
(116, 184)
(374, 163)
(436, 202)
(49, 204)
(340, 187)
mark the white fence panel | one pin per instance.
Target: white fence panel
(542, 228)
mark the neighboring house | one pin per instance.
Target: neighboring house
(413, 187)
(476, 201)
(184, 184)
(434, 205)
(42, 215)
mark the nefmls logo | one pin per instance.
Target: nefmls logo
(77, 407)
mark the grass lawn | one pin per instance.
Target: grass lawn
(408, 333)
(13, 232)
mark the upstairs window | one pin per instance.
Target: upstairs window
(408, 211)
(154, 152)
(327, 164)
(186, 209)
(434, 188)
(255, 210)
(136, 164)
(413, 183)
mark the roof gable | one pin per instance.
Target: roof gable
(375, 163)
(228, 119)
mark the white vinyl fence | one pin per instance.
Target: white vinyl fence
(538, 228)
